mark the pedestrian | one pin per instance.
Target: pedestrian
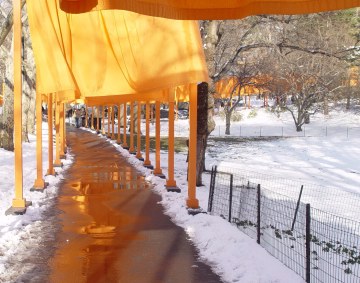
(77, 118)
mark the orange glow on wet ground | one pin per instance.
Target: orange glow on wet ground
(113, 227)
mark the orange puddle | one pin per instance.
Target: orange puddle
(113, 227)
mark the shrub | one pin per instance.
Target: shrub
(252, 114)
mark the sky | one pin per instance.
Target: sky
(329, 161)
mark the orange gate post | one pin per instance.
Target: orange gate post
(192, 201)
(147, 162)
(170, 182)
(138, 143)
(157, 170)
(62, 131)
(97, 120)
(113, 122)
(109, 125)
(103, 132)
(57, 162)
(39, 184)
(118, 141)
(86, 117)
(50, 170)
(132, 149)
(92, 117)
(19, 203)
(125, 145)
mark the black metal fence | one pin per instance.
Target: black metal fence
(317, 245)
(320, 197)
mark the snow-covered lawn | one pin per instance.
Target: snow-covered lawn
(327, 160)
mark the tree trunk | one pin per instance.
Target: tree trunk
(227, 121)
(202, 131)
(29, 92)
(7, 123)
(298, 127)
(326, 106)
(348, 99)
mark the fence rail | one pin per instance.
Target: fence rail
(279, 131)
(317, 245)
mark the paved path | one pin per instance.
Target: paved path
(113, 227)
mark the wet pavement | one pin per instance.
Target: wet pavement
(113, 228)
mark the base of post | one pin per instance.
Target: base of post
(113, 137)
(161, 175)
(58, 165)
(132, 152)
(39, 186)
(192, 203)
(196, 211)
(62, 156)
(50, 172)
(118, 142)
(18, 210)
(98, 132)
(149, 166)
(140, 158)
(173, 189)
(108, 136)
(125, 147)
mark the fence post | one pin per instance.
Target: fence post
(212, 188)
(230, 197)
(297, 208)
(258, 213)
(308, 242)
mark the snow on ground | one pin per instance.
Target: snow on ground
(329, 160)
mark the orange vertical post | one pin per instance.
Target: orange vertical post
(102, 120)
(86, 117)
(57, 162)
(113, 122)
(138, 143)
(92, 117)
(125, 145)
(39, 184)
(109, 125)
(147, 162)
(64, 128)
(19, 202)
(157, 170)
(170, 182)
(132, 149)
(61, 130)
(118, 140)
(50, 170)
(192, 201)
(98, 120)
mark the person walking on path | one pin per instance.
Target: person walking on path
(77, 117)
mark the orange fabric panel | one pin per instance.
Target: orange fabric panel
(209, 9)
(230, 86)
(118, 99)
(112, 52)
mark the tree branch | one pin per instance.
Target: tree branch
(6, 28)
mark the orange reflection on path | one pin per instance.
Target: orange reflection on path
(113, 226)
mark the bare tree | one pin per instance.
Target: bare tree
(28, 72)
(305, 82)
